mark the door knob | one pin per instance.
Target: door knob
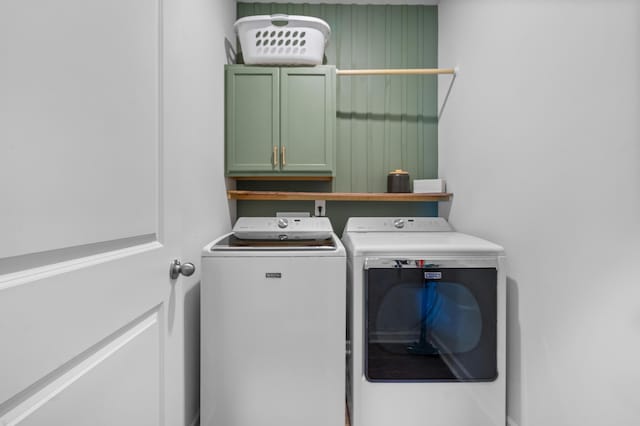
(177, 268)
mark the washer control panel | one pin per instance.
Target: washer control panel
(283, 228)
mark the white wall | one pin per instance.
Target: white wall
(195, 37)
(540, 144)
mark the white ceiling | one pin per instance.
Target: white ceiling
(427, 2)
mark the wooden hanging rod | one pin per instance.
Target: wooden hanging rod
(407, 71)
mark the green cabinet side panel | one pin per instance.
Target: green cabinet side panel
(252, 118)
(307, 118)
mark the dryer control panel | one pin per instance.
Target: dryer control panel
(398, 224)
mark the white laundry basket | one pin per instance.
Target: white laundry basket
(282, 39)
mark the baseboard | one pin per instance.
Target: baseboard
(196, 420)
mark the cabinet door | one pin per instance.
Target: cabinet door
(307, 123)
(252, 119)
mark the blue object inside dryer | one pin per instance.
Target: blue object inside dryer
(439, 317)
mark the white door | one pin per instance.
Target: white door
(90, 214)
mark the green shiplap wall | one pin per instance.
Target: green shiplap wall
(383, 122)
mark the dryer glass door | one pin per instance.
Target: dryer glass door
(430, 324)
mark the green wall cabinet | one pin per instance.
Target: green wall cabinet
(280, 121)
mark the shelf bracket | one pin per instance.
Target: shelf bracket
(446, 96)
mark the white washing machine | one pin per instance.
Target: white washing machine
(273, 318)
(426, 325)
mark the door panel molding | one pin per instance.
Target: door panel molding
(36, 260)
(81, 118)
(46, 322)
(55, 384)
(50, 270)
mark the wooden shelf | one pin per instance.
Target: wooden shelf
(281, 178)
(336, 196)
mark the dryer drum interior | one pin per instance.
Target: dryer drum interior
(431, 324)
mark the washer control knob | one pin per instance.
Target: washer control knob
(398, 223)
(283, 223)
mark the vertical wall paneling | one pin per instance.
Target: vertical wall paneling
(383, 122)
(429, 88)
(394, 132)
(343, 99)
(376, 33)
(359, 165)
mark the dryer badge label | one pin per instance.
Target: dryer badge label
(273, 275)
(433, 275)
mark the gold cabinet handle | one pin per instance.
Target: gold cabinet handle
(284, 156)
(275, 156)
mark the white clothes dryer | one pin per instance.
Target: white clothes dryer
(426, 325)
(273, 318)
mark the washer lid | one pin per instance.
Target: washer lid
(282, 228)
(421, 244)
(229, 246)
(232, 243)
